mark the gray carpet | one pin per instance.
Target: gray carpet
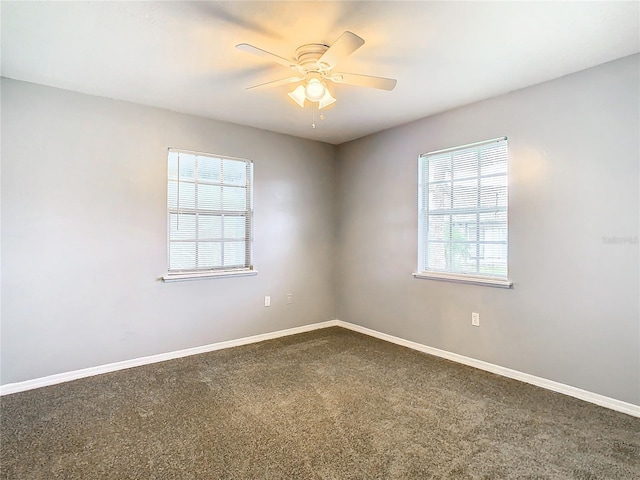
(330, 404)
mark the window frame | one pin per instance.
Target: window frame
(247, 268)
(424, 183)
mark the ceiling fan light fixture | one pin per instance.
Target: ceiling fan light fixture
(298, 95)
(315, 90)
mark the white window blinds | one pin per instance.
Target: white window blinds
(209, 212)
(463, 205)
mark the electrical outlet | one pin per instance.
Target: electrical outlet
(267, 301)
(475, 319)
(289, 298)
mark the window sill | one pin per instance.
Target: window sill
(181, 277)
(462, 278)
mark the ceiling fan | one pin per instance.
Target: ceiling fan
(314, 64)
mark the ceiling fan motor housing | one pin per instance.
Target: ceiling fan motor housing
(308, 55)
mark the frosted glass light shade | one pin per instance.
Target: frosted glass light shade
(315, 90)
(298, 95)
(326, 100)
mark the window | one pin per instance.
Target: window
(462, 214)
(209, 200)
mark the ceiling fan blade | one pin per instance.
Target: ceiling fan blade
(277, 83)
(341, 49)
(245, 47)
(363, 80)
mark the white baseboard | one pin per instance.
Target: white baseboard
(611, 403)
(136, 362)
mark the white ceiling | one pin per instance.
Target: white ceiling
(182, 56)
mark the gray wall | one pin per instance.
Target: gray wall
(84, 233)
(572, 315)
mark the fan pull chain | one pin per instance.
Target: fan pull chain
(313, 115)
